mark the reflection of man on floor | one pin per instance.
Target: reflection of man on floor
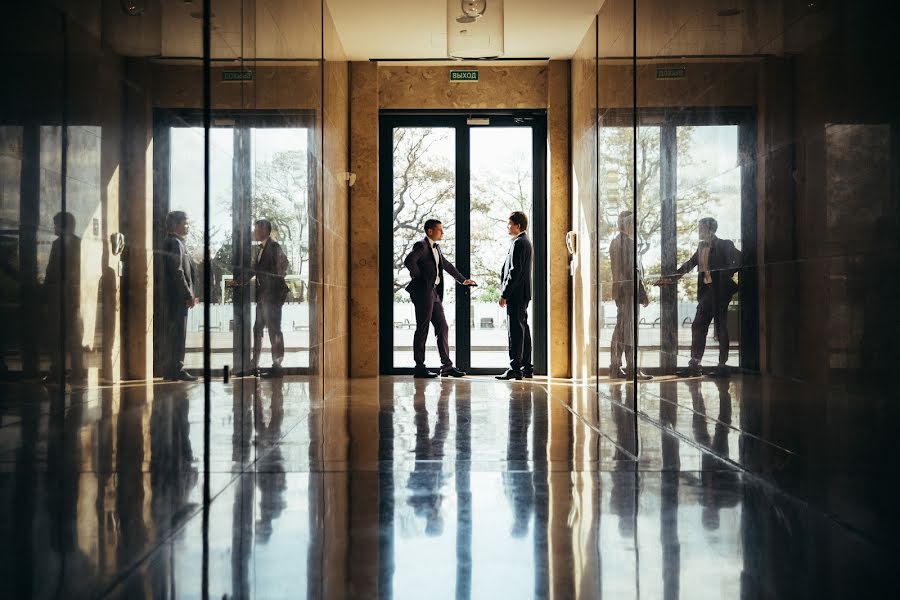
(428, 478)
(62, 287)
(717, 262)
(624, 273)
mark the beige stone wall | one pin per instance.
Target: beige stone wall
(430, 87)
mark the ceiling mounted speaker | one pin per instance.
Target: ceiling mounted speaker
(474, 29)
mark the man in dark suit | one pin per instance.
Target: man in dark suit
(269, 269)
(426, 265)
(515, 294)
(624, 273)
(717, 261)
(179, 294)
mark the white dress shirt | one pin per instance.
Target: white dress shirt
(703, 260)
(437, 261)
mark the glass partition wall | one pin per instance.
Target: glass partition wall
(128, 113)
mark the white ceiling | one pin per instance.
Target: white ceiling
(418, 28)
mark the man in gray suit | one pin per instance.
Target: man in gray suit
(515, 295)
(426, 265)
(624, 273)
(179, 294)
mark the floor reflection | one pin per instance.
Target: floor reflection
(466, 489)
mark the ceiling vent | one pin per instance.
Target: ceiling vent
(474, 29)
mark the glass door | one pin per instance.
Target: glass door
(687, 166)
(470, 173)
(259, 170)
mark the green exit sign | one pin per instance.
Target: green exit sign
(230, 76)
(468, 75)
(671, 72)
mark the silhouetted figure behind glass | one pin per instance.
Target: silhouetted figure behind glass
(515, 295)
(624, 273)
(717, 261)
(62, 288)
(179, 294)
(427, 478)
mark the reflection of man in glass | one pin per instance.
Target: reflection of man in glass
(62, 287)
(624, 273)
(271, 293)
(717, 261)
(180, 296)
(269, 268)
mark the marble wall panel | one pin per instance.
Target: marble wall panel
(716, 84)
(430, 87)
(294, 87)
(363, 221)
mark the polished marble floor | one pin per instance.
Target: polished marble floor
(402, 488)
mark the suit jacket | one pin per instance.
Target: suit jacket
(515, 277)
(423, 269)
(621, 257)
(724, 262)
(179, 270)
(270, 267)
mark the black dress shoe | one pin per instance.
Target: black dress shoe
(722, 371)
(690, 371)
(616, 373)
(641, 376)
(454, 372)
(417, 374)
(184, 376)
(510, 374)
(528, 374)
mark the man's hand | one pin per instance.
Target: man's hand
(502, 302)
(470, 283)
(664, 281)
(645, 302)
